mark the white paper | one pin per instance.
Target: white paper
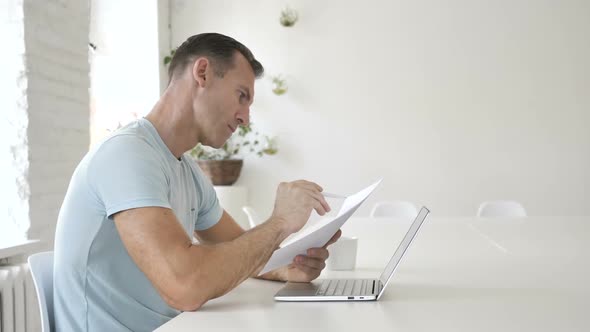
(317, 234)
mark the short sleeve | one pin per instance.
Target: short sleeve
(209, 210)
(126, 173)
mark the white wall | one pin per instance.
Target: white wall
(56, 39)
(14, 152)
(452, 102)
(125, 75)
(163, 40)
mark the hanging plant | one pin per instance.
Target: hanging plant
(288, 17)
(168, 58)
(279, 85)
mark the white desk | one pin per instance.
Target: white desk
(461, 274)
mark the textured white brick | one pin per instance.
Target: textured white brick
(59, 88)
(58, 112)
(50, 182)
(56, 41)
(57, 57)
(46, 202)
(45, 68)
(57, 170)
(58, 12)
(52, 155)
(69, 62)
(53, 138)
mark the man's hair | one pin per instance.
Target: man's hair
(217, 48)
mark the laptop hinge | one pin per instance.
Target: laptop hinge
(379, 287)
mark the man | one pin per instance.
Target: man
(124, 259)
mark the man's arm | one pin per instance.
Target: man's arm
(304, 268)
(226, 229)
(187, 275)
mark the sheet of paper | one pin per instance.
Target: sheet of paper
(318, 234)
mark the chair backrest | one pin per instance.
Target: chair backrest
(41, 266)
(501, 209)
(394, 209)
(253, 217)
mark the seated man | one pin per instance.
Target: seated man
(124, 259)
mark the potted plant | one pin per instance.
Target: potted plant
(279, 85)
(288, 17)
(223, 165)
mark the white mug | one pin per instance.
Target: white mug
(342, 254)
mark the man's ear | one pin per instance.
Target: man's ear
(201, 71)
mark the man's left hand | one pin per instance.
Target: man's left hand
(306, 268)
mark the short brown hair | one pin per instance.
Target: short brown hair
(218, 48)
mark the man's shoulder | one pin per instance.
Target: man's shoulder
(131, 138)
(127, 148)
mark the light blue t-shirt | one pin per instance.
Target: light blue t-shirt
(97, 286)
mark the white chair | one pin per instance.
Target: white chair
(394, 209)
(491, 209)
(253, 217)
(41, 266)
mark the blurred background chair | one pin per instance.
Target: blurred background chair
(491, 209)
(394, 209)
(253, 216)
(41, 266)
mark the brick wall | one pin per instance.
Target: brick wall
(56, 43)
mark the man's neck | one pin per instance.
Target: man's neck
(170, 120)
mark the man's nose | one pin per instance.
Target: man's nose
(244, 117)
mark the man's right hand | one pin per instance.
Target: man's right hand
(295, 201)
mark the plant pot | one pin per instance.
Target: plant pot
(221, 172)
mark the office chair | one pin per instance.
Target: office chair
(41, 265)
(491, 209)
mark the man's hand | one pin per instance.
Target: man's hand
(295, 201)
(305, 268)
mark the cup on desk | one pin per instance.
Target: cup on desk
(342, 254)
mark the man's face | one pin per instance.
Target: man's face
(224, 102)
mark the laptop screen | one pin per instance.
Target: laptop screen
(403, 246)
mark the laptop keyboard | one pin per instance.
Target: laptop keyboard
(335, 287)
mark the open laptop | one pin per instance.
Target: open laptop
(351, 289)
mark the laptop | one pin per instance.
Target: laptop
(352, 289)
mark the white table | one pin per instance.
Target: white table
(460, 274)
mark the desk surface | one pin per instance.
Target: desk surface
(460, 274)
